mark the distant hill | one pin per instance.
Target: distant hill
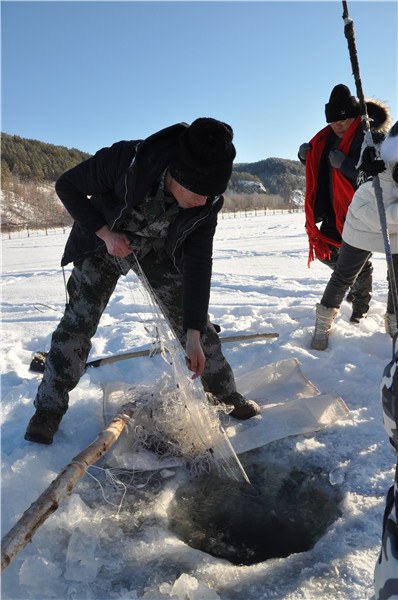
(36, 161)
(246, 183)
(278, 175)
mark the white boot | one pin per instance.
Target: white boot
(323, 325)
(390, 323)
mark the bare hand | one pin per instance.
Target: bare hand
(117, 243)
(195, 359)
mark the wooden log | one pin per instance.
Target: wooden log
(17, 538)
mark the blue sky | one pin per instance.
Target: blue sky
(87, 74)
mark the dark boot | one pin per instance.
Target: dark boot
(42, 426)
(243, 409)
(357, 315)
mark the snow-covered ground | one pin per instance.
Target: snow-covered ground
(261, 282)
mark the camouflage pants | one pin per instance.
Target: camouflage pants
(90, 287)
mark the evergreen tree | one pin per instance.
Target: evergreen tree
(37, 161)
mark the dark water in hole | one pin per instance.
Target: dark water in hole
(285, 510)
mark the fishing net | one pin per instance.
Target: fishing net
(173, 417)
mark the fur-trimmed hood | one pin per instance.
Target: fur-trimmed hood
(380, 116)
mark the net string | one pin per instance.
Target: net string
(188, 401)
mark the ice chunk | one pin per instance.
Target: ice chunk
(165, 588)
(187, 587)
(81, 564)
(184, 586)
(82, 570)
(203, 592)
(36, 569)
(336, 477)
(80, 547)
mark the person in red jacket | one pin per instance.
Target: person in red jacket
(332, 175)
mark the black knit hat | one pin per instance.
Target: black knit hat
(203, 160)
(341, 104)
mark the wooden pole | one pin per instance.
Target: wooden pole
(17, 538)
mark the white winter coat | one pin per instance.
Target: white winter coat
(362, 227)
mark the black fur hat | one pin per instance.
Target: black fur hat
(203, 160)
(341, 105)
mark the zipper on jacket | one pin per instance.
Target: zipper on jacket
(184, 234)
(126, 190)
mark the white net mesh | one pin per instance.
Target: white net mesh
(173, 416)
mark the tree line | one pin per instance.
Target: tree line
(36, 161)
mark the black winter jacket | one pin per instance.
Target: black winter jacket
(101, 191)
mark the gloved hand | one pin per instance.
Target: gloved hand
(370, 165)
(303, 150)
(336, 158)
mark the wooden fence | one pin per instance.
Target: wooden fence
(9, 232)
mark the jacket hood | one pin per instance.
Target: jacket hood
(389, 147)
(379, 112)
(386, 177)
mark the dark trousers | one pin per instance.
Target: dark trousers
(348, 269)
(354, 270)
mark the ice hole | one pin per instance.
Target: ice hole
(286, 510)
